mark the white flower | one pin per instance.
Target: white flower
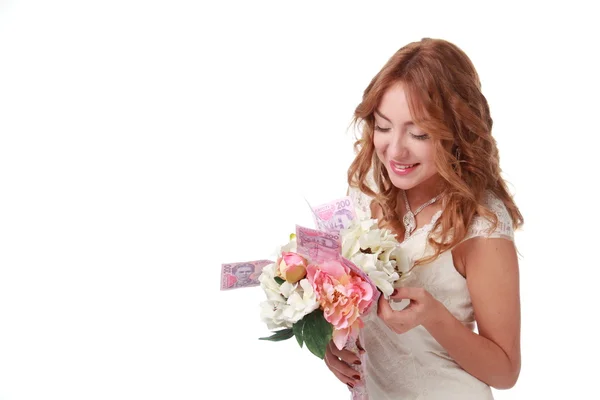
(301, 301)
(268, 283)
(271, 310)
(384, 281)
(287, 303)
(378, 240)
(351, 236)
(402, 262)
(287, 288)
(366, 262)
(376, 251)
(271, 313)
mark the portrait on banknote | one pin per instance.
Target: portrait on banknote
(242, 274)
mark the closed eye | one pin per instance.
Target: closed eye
(380, 129)
(420, 137)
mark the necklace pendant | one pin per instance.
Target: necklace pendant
(409, 218)
(409, 224)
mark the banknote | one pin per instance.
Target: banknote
(318, 245)
(334, 216)
(242, 274)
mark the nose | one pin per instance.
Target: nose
(397, 148)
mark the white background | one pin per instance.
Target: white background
(144, 143)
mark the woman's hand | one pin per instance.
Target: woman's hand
(422, 309)
(339, 361)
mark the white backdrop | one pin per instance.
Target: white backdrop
(144, 143)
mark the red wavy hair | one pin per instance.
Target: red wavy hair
(445, 100)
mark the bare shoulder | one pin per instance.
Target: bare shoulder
(483, 251)
(477, 252)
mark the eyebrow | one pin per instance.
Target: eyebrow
(408, 123)
(383, 116)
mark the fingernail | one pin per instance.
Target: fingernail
(351, 386)
(357, 362)
(357, 377)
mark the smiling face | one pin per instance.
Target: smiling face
(406, 152)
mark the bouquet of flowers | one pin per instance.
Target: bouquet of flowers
(325, 281)
(315, 299)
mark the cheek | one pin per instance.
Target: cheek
(380, 145)
(427, 156)
(426, 152)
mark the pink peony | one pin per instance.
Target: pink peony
(292, 266)
(344, 296)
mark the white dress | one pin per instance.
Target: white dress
(413, 365)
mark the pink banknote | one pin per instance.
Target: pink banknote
(242, 274)
(335, 215)
(318, 245)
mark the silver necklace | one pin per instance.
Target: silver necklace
(409, 218)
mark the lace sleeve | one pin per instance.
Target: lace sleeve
(362, 202)
(481, 226)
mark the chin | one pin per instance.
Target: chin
(405, 184)
(409, 182)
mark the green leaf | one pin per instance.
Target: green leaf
(317, 333)
(279, 280)
(298, 327)
(279, 335)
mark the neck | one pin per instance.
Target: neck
(424, 192)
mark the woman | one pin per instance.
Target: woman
(427, 167)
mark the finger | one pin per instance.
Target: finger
(398, 321)
(359, 345)
(341, 369)
(347, 377)
(384, 310)
(351, 382)
(412, 293)
(346, 355)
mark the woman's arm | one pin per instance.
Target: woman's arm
(494, 355)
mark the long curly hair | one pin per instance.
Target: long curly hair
(445, 100)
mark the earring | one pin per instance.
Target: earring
(457, 153)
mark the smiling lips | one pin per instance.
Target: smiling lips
(402, 169)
